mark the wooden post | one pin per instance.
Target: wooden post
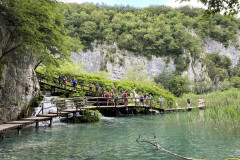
(64, 103)
(97, 103)
(51, 90)
(135, 102)
(42, 107)
(37, 124)
(74, 117)
(19, 130)
(2, 136)
(57, 108)
(51, 120)
(67, 117)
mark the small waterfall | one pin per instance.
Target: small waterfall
(49, 106)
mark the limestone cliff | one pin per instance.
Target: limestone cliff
(116, 61)
(18, 82)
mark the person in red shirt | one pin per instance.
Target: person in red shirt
(108, 97)
(125, 100)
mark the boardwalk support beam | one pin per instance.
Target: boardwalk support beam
(2, 136)
(37, 124)
(19, 130)
(51, 120)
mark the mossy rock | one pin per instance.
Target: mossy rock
(87, 117)
(30, 108)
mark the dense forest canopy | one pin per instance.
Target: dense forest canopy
(156, 30)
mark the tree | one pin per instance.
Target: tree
(137, 74)
(179, 85)
(228, 7)
(36, 26)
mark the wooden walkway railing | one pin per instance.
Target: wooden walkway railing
(54, 83)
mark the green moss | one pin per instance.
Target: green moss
(30, 108)
(88, 116)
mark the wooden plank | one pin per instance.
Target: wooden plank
(73, 110)
(59, 112)
(47, 115)
(170, 109)
(4, 127)
(37, 118)
(21, 122)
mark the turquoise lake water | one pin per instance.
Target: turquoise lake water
(97, 140)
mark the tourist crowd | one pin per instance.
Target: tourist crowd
(142, 99)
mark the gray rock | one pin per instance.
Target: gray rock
(155, 66)
(18, 82)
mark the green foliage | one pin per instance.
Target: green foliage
(235, 82)
(203, 86)
(176, 84)
(136, 74)
(37, 27)
(154, 30)
(223, 109)
(181, 63)
(218, 67)
(179, 85)
(90, 116)
(77, 94)
(216, 6)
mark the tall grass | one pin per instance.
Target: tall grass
(223, 108)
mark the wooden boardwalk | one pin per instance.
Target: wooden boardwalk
(78, 102)
(55, 86)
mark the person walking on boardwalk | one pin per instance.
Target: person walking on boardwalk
(60, 79)
(144, 99)
(103, 90)
(126, 100)
(108, 97)
(112, 88)
(141, 99)
(97, 88)
(123, 97)
(112, 97)
(188, 103)
(161, 101)
(147, 98)
(116, 100)
(131, 96)
(151, 100)
(136, 98)
(65, 82)
(74, 84)
(90, 88)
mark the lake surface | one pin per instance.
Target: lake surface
(108, 140)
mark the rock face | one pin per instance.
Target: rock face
(18, 82)
(116, 61)
(120, 61)
(211, 46)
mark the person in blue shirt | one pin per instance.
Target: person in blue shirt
(74, 84)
